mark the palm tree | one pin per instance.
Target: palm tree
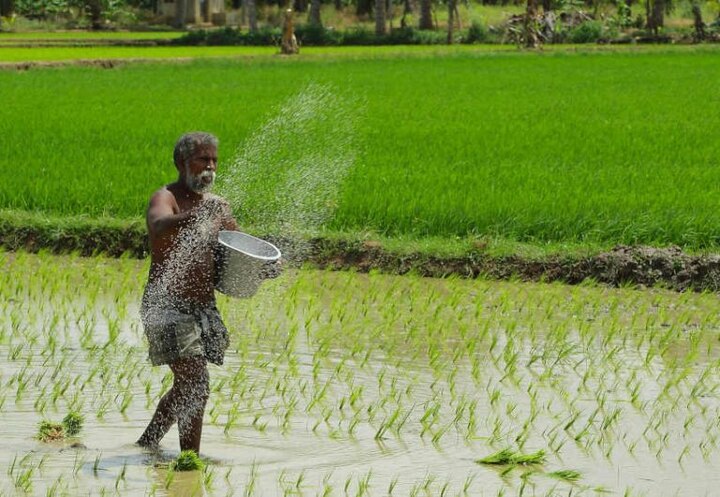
(314, 19)
(531, 37)
(180, 13)
(426, 21)
(7, 8)
(380, 18)
(451, 21)
(252, 15)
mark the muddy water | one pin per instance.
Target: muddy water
(346, 384)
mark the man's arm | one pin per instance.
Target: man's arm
(161, 215)
(223, 211)
(229, 223)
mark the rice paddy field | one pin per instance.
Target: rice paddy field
(347, 384)
(557, 147)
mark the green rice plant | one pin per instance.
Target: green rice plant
(511, 457)
(500, 175)
(72, 423)
(188, 460)
(569, 475)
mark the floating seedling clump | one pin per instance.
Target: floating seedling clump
(188, 460)
(512, 457)
(50, 431)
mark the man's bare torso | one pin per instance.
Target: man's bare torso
(182, 254)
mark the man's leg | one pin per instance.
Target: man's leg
(184, 403)
(194, 382)
(165, 416)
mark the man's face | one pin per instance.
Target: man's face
(200, 169)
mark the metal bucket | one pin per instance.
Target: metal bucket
(239, 262)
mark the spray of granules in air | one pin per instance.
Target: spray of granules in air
(284, 181)
(286, 177)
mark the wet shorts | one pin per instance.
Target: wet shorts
(184, 331)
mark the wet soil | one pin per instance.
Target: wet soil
(99, 63)
(668, 267)
(640, 265)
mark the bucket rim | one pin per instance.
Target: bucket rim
(275, 257)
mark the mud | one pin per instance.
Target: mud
(99, 63)
(669, 267)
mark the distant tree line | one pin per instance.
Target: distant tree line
(540, 17)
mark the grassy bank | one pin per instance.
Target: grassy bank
(10, 55)
(434, 257)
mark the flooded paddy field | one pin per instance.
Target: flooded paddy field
(339, 383)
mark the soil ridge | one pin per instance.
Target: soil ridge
(668, 267)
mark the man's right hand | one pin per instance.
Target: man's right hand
(213, 208)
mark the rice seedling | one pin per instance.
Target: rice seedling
(566, 475)
(73, 423)
(188, 460)
(512, 457)
(416, 389)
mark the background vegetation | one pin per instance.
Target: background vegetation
(331, 22)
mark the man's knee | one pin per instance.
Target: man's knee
(192, 379)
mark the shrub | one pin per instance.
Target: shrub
(262, 37)
(192, 38)
(476, 33)
(359, 36)
(587, 32)
(225, 36)
(428, 37)
(230, 37)
(313, 35)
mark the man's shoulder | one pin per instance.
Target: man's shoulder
(163, 198)
(163, 193)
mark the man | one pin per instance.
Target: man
(182, 324)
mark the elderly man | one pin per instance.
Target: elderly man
(182, 324)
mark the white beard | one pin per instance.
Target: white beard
(196, 183)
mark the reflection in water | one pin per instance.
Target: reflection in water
(346, 384)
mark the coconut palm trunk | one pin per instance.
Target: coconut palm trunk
(380, 18)
(531, 37)
(314, 19)
(252, 15)
(7, 8)
(698, 21)
(94, 8)
(180, 13)
(426, 21)
(451, 21)
(655, 10)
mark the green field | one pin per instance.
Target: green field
(555, 147)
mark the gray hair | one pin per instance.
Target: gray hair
(186, 145)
